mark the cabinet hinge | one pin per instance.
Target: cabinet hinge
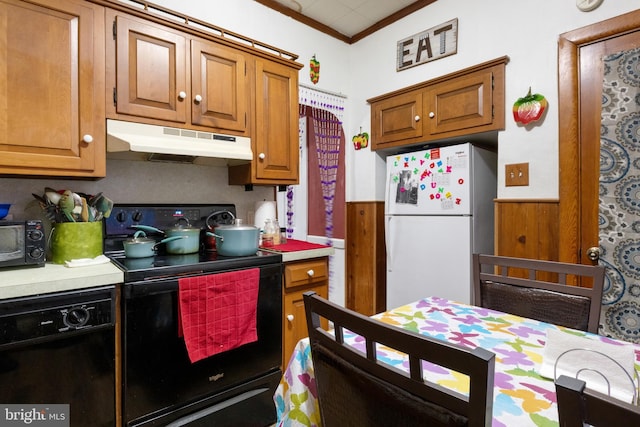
(115, 97)
(114, 29)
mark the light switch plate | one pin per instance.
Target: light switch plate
(516, 174)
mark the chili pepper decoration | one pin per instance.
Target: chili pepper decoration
(314, 70)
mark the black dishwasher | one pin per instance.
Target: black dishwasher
(59, 349)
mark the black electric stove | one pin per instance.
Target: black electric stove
(119, 227)
(160, 385)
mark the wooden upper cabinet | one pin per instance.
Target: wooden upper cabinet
(463, 103)
(52, 119)
(167, 77)
(151, 71)
(397, 118)
(219, 86)
(275, 132)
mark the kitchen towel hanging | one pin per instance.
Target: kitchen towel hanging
(217, 312)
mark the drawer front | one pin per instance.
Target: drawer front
(305, 273)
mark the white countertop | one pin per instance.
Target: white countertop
(27, 281)
(17, 282)
(307, 254)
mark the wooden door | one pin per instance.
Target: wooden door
(52, 113)
(461, 103)
(151, 71)
(397, 118)
(276, 128)
(581, 70)
(219, 81)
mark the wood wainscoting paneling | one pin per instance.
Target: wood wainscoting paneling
(366, 261)
(527, 228)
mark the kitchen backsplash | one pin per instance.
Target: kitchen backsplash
(140, 182)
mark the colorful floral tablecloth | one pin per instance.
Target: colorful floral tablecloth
(522, 397)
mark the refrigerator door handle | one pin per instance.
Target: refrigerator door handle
(387, 242)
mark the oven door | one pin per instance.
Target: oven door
(162, 386)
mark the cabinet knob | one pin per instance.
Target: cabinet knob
(310, 273)
(182, 95)
(87, 138)
(290, 317)
(432, 114)
(261, 156)
(417, 118)
(198, 98)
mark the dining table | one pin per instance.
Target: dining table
(522, 396)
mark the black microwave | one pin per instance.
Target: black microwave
(22, 243)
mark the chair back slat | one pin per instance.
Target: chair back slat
(578, 405)
(554, 292)
(347, 378)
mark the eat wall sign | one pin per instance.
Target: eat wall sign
(429, 45)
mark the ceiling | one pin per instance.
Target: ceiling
(347, 20)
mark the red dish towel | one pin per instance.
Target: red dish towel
(218, 312)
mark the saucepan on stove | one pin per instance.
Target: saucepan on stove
(189, 241)
(236, 239)
(141, 246)
(210, 238)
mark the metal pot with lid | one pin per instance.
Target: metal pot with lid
(189, 237)
(210, 238)
(141, 246)
(237, 239)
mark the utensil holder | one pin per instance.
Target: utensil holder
(75, 240)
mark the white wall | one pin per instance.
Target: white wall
(527, 32)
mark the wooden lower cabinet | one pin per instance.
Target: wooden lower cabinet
(300, 277)
(366, 260)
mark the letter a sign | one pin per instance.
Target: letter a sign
(429, 45)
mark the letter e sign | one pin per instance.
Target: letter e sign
(429, 45)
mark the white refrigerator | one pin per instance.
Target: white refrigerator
(438, 212)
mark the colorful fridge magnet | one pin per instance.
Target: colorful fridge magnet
(529, 108)
(360, 140)
(314, 70)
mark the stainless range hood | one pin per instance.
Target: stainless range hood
(161, 143)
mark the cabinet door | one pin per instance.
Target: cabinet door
(295, 321)
(460, 103)
(219, 86)
(276, 128)
(52, 114)
(397, 118)
(151, 71)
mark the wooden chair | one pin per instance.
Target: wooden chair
(540, 290)
(359, 390)
(578, 405)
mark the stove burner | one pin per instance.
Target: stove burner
(163, 265)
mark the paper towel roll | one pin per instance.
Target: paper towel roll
(264, 210)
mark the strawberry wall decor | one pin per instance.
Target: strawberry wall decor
(314, 70)
(529, 108)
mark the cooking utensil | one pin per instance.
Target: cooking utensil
(237, 239)
(141, 246)
(188, 245)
